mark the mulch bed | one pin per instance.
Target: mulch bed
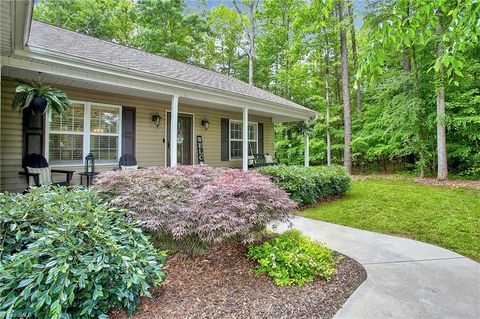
(455, 183)
(221, 284)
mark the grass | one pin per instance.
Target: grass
(444, 216)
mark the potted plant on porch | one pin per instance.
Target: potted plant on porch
(39, 97)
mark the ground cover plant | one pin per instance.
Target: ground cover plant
(440, 215)
(308, 185)
(293, 259)
(66, 254)
(192, 207)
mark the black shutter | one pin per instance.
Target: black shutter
(260, 138)
(33, 130)
(128, 130)
(225, 141)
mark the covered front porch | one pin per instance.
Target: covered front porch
(149, 141)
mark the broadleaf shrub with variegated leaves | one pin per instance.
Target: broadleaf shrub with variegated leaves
(307, 185)
(198, 203)
(66, 254)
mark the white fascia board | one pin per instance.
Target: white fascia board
(22, 11)
(162, 84)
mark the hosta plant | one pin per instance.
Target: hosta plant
(293, 259)
(197, 205)
(66, 254)
(36, 96)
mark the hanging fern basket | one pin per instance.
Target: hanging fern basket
(38, 104)
(37, 97)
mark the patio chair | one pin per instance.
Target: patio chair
(38, 172)
(128, 162)
(262, 160)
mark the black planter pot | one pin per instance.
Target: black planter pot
(38, 104)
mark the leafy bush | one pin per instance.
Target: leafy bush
(67, 255)
(307, 185)
(291, 258)
(198, 204)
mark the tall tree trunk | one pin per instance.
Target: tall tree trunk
(250, 69)
(407, 66)
(358, 91)
(336, 84)
(327, 102)
(251, 49)
(442, 171)
(347, 154)
(249, 29)
(420, 114)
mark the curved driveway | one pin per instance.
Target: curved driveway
(406, 278)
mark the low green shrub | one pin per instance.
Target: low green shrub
(308, 185)
(291, 258)
(66, 254)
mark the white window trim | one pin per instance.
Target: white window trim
(86, 134)
(230, 139)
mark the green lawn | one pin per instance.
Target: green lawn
(439, 215)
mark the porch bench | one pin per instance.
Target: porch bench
(260, 160)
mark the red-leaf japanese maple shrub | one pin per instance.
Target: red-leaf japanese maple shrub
(191, 207)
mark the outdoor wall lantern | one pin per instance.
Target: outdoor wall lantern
(156, 119)
(89, 163)
(205, 124)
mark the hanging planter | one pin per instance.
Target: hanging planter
(38, 97)
(38, 104)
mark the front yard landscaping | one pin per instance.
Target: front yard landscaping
(440, 215)
(222, 284)
(91, 253)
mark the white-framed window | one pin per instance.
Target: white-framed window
(87, 128)
(236, 142)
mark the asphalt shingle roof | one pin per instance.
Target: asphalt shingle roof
(65, 41)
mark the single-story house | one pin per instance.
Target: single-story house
(127, 101)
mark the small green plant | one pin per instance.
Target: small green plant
(67, 254)
(39, 97)
(291, 258)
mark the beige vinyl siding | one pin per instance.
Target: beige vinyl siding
(11, 142)
(150, 147)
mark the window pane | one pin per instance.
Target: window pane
(236, 130)
(104, 119)
(252, 132)
(236, 149)
(73, 121)
(104, 148)
(65, 149)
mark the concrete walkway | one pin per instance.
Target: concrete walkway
(406, 278)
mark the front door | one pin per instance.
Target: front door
(184, 139)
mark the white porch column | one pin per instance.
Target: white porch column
(245, 140)
(173, 131)
(307, 149)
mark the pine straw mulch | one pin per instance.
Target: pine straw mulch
(455, 183)
(221, 284)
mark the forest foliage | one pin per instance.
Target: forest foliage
(398, 62)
